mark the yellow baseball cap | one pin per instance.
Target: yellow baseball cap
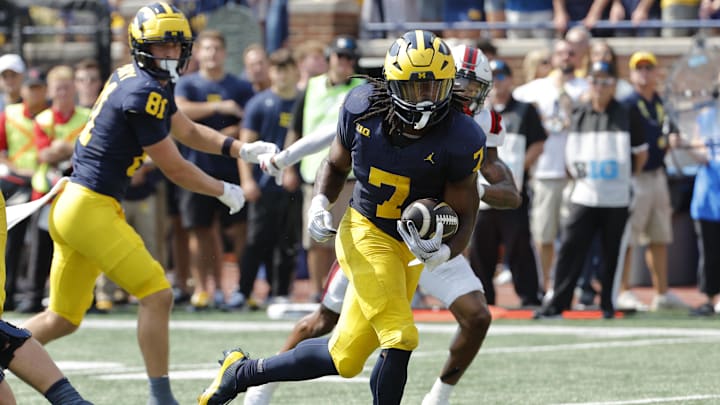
(642, 56)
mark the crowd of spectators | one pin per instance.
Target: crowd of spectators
(550, 18)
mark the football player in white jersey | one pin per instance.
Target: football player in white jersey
(453, 282)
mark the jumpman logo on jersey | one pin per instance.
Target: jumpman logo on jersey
(429, 158)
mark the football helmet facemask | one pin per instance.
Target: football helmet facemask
(419, 71)
(155, 24)
(473, 75)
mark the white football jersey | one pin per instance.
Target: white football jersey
(484, 119)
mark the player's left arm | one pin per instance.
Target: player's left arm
(201, 137)
(502, 192)
(463, 197)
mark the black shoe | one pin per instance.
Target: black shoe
(547, 313)
(587, 297)
(531, 302)
(705, 309)
(608, 314)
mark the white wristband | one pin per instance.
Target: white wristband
(320, 200)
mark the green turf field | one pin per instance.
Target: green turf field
(643, 359)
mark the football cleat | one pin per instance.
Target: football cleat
(224, 387)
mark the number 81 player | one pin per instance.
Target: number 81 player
(131, 120)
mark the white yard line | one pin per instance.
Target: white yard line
(647, 400)
(605, 344)
(540, 328)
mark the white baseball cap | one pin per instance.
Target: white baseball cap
(12, 61)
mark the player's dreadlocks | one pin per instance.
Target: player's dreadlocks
(381, 104)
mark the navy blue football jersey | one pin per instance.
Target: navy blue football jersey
(389, 177)
(132, 111)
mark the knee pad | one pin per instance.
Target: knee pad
(350, 366)
(404, 338)
(11, 338)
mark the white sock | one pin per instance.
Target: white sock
(441, 390)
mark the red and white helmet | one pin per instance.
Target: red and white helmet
(472, 66)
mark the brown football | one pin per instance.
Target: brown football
(426, 211)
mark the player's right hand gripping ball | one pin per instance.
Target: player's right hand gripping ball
(425, 212)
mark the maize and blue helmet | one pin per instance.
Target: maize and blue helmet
(155, 24)
(419, 71)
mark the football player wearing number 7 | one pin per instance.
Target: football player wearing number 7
(405, 137)
(453, 282)
(131, 120)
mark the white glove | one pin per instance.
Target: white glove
(250, 151)
(268, 166)
(320, 220)
(233, 197)
(431, 252)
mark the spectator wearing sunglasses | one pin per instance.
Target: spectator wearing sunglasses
(605, 145)
(600, 50)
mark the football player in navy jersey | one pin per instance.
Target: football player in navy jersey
(454, 283)
(130, 121)
(405, 137)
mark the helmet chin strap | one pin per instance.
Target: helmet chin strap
(425, 118)
(170, 65)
